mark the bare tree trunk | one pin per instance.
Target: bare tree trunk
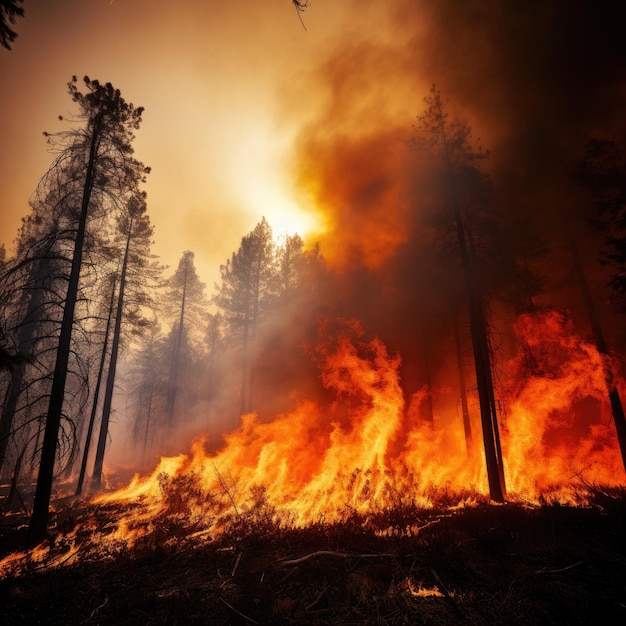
(467, 425)
(480, 345)
(96, 394)
(96, 478)
(37, 530)
(619, 419)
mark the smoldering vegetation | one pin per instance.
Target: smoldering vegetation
(463, 201)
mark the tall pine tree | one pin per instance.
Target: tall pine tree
(101, 148)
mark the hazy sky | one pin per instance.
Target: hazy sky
(215, 79)
(247, 114)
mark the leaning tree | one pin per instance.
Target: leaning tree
(100, 141)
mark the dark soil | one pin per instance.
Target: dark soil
(490, 565)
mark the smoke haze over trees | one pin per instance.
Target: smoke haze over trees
(444, 218)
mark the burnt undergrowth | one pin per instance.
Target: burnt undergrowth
(480, 564)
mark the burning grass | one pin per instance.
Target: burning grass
(357, 512)
(480, 564)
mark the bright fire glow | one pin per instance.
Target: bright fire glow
(366, 453)
(261, 182)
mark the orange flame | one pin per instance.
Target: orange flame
(366, 453)
(559, 429)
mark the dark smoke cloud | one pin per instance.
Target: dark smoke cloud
(538, 78)
(535, 80)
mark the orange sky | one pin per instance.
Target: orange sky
(247, 114)
(215, 78)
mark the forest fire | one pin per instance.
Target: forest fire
(365, 453)
(354, 324)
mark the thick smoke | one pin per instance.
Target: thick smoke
(535, 81)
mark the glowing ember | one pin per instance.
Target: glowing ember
(417, 591)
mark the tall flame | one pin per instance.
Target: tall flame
(558, 418)
(366, 452)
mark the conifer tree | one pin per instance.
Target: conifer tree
(9, 12)
(185, 301)
(248, 287)
(105, 171)
(464, 183)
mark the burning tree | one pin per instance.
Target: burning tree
(449, 140)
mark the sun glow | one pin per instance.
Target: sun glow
(266, 198)
(261, 176)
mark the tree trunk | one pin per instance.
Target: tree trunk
(171, 395)
(255, 320)
(96, 395)
(480, 345)
(467, 425)
(96, 479)
(37, 530)
(619, 419)
(244, 366)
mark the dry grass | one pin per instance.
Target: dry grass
(482, 565)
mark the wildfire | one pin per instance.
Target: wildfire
(367, 453)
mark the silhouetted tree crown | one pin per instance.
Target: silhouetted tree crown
(603, 173)
(9, 12)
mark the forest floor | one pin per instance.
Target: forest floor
(486, 564)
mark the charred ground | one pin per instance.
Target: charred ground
(507, 564)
